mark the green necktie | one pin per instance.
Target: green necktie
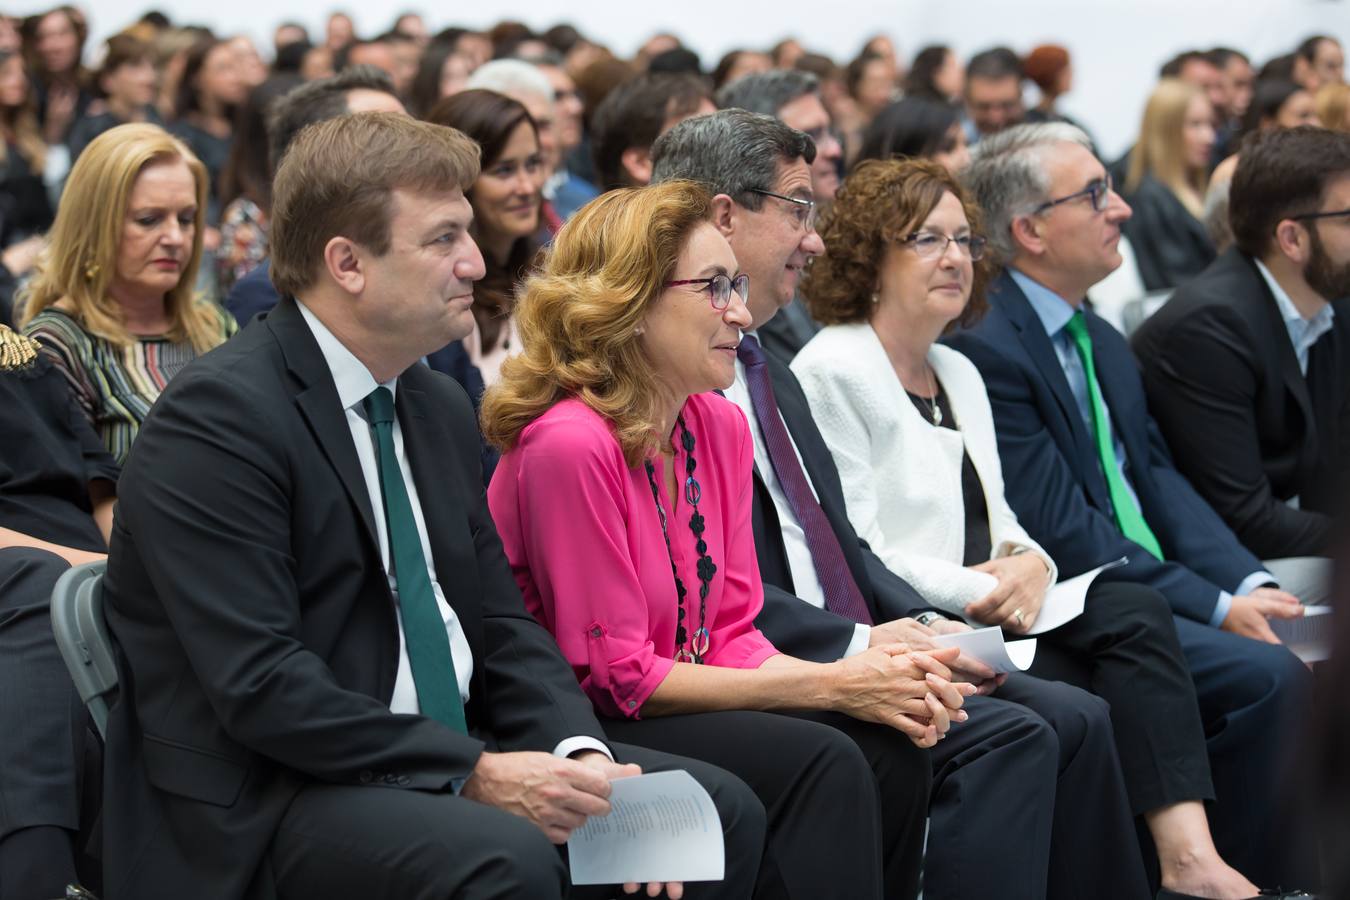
(424, 633)
(1128, 516)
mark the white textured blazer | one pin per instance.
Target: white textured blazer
(901, 473)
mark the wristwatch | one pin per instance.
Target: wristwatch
(928, 617)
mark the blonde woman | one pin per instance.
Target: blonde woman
(1166, 185)
(112, 301)
(1333, 106)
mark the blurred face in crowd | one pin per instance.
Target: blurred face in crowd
(251, 67)
(1206, 76)
(13, 83)
(705, 107)
(806, 113)
(219, 79)
(954, 153)
(658, 44)
(877, 86)
(10, 39)
(567, 107)
(377, 54)
(131, 85)
(288, 34)
(455, 72)
(690, 344)
(774, 243)
(1328, 268)
(748, 62)
(929, 291)
(405, 58)
(58, 43)
(541, 109)
(412, 25)
(340, 31)
(1079, 244)
(419, 292)
(157, 232)
(950, 78)
(1329, 63)
(361, 100)
(1241, 81)
(318, 63)
(1298, 109)
(1198, 132)
(477, 47)
(506, 195)
(994, 103)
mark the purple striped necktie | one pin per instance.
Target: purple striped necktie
(842, 596)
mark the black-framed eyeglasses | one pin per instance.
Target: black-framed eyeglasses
(719, 288)
(1099, 192)
(931, 245)
(803, 210)
(1333, 214)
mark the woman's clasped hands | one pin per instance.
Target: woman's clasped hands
(910, 690)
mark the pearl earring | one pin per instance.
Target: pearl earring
(639, 330)
(876, 298)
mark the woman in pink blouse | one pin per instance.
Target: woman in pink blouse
(623, 502)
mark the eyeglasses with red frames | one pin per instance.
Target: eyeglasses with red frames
(719, 288)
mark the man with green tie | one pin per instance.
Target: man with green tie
(331, 686)
(1092, 481)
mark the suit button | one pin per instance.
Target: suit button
(595, 632)
(404, 780)
(366, 776)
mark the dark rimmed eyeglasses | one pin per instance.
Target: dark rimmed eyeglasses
(1333, 214)
(719, 288)
(1099, 192)
(803, 210)
(931, 245)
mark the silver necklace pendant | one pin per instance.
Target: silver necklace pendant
(937, 413)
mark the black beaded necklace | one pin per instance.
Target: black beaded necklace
(686, 651)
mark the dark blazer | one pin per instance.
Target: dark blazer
(1243, 423)
(1171, 246)
(788, 331)
(1052, 471)
(794, 626)
(259, 642)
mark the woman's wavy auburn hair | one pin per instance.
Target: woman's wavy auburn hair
(880, 203)
(578, 316)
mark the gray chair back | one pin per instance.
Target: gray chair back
(82, 634)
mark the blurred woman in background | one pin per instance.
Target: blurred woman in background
(25, 210)
(54, 47)
(124, 90)
(210, 92)
(919, 128)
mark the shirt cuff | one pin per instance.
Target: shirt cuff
(576, 744)
(862, 638)
(1254, 581)
(1221, 609)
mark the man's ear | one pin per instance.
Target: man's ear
(1026, 234)
(1293, 241)
(637, 163)
(345, 263)
(724, 212)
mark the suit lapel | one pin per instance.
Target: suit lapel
(319, 404)
(1270, 319)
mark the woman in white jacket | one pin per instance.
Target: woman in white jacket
(910, 428)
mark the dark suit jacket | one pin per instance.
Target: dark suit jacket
(1052, 471)
(1171, 246)
(793, 625)
(788, 331)
(1244, 424)
(258, 633)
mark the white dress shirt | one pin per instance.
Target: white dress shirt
(354, 383)
(805, 582)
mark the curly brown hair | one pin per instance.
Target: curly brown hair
(879, 204)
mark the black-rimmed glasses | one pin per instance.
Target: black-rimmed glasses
(1099, 192)
(931, 245)
(803, 210)
(719, 288)
(1333, 214)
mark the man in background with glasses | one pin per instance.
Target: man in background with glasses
(1245, 366)
(1091, 480)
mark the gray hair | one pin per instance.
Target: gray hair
(511, 77)
(730, 152)
(1007, 177)
(767, 92)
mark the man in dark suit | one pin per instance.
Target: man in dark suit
(1245, 367)
(1032, 752)
(1090, 478)
(331, 685)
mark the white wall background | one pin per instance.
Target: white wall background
(1117, 45)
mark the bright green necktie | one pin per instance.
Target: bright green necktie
(1128, 516)
(424, 633)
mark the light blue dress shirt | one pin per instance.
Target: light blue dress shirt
(1054, 313)
(1303, 333)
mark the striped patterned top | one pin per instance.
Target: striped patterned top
(115, 386)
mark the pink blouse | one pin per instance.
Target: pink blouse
(584, 540)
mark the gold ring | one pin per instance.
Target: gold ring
(1017, 614)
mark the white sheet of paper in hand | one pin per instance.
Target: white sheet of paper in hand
(661, 827)
(1064, 601)
(987, 646)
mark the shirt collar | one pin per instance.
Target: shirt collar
(1319, 323)
(351, 377)
(1052, 309)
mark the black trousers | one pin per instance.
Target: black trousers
(1029, 802)
(48, 760)
(846, 800)
(340, 841)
